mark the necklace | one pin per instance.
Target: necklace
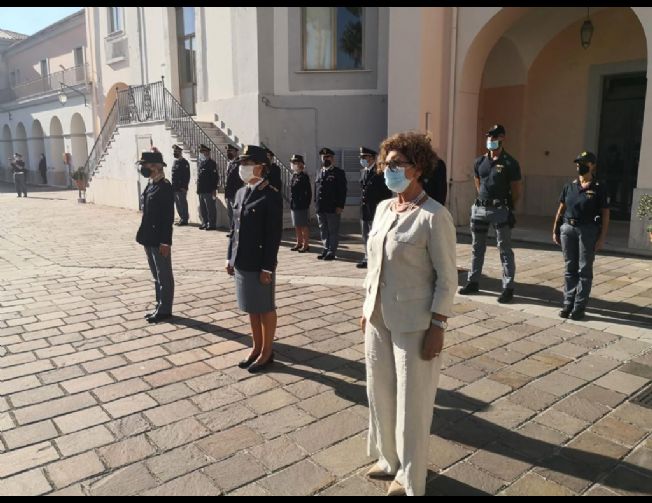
(409, 205)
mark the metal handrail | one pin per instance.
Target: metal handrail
(192, 135)
(101, 142)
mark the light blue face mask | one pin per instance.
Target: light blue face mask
(364, 163)
(493, 144)
(396, 181)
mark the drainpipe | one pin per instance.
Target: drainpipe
(451, 108)
(140, 45)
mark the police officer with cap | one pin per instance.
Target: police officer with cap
(372, 191)
(20, 173)
(330, 198)
(274, 172)
(300, 197)
(252, 255)
(180, 181)
(580, 227)
(155, 232)
(233, 180)
(498, 183)
(207, 180)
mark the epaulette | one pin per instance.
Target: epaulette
(263, 185)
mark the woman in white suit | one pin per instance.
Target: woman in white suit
(410, 286)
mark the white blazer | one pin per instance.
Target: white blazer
(414, 269)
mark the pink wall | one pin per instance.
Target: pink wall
(502, 105)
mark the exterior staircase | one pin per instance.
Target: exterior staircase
(153, 102)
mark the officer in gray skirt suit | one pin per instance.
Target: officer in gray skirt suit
(253, 250)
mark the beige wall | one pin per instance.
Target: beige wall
(56, 47)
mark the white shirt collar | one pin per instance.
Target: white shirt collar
(253, 186)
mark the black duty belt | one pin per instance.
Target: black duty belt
(492, 203)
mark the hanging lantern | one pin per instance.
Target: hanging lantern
(586, 32)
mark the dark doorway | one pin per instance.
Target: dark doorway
(621, 126)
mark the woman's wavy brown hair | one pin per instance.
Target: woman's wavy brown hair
(415, 146)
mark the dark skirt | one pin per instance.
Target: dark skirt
(299, 218)
(254, 297)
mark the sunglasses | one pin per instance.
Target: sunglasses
(394, 165)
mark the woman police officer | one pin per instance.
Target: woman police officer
(580, 227)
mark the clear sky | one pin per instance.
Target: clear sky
(29, 20)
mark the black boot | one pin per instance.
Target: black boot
(470, 288)
(506, 296)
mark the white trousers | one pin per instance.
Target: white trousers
(401, 388)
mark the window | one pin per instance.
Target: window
(115, 19)
(186, 41)
(78, 53)
(332, 38)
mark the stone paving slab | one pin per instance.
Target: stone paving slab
(95, 401)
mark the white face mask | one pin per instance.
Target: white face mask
(246, 172)
(295, 167)
(202, 157)
(364, 163)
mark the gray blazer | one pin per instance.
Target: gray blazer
(412, 267)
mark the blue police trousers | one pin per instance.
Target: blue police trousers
(329, 230)
(181, 202)
(481, 218)
(578, 246)
(161, 268)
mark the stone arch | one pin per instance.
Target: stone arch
(36, 145)
(79, 145)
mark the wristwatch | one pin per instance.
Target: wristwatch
(439, 323)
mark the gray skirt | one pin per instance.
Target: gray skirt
(254, 297)
(299, 218)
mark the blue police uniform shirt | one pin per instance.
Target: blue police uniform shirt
(582, 204)
(496, 176)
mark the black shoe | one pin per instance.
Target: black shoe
(149, 315)
(323, 254)
(229, 234)
(182, 222)
(159, 317)
(577, 314)
(362, 265)
(259, 367)
(565, 312)
(211, 228)
(202, 227)
(295, 248)
(243, 364)
(329, 256)
(470, 288)
(304, 249)
(506, 296)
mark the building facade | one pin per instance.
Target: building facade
(44, 84)
(299, 78)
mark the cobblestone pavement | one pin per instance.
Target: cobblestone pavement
(95, 401)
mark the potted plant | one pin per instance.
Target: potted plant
(644, 212)
(80, 177)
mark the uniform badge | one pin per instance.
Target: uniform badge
(589, 194)
(499, 168)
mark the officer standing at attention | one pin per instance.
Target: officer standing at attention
(155, 232)
(207, 179)
(300, 197)
(330, 198)
(252, 255)
(180, 181)
(580, 227)
(233, 181)
(498, 182)
(20, 174)
(372, 191)
(274, 172)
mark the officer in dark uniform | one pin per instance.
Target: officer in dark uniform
(274, 171)
(233, 181)
(300, 197)
(330, 198)
(20, 174)
(498, 182)
(180, 181)
(155, 232)
(580, 227)
(435, 185)
(372, 191)
(253, 253)
(207, 180)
